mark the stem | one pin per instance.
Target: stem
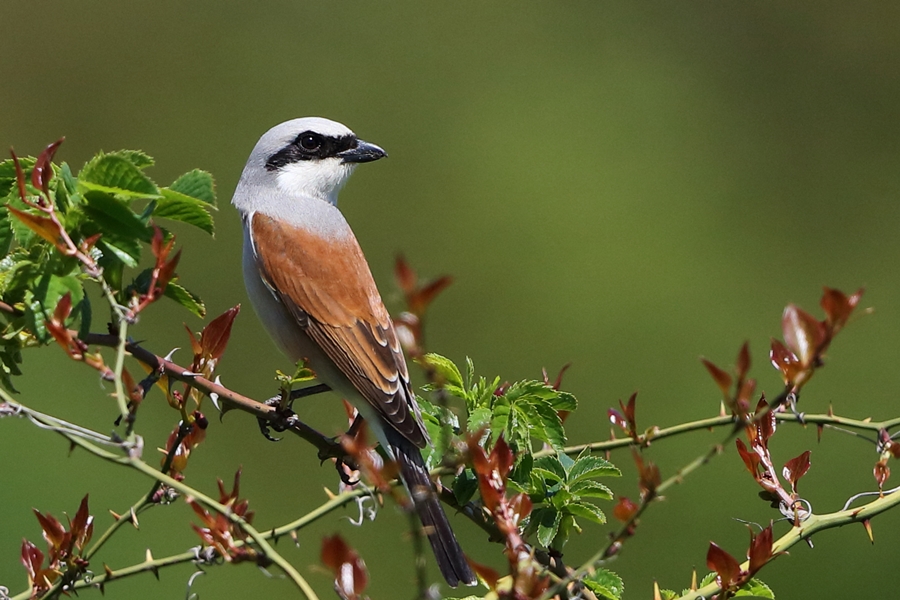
(813, 524)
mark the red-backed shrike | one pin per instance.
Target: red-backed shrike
(311, 287)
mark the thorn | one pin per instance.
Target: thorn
(694, 580)
(868, 525)
(830, 410)
(116, 516)
(171, 354)
(722, 412)
(148, 556)
(329, 493)
(656, 593)
(134, 520)
(294, 538)
(107, 571)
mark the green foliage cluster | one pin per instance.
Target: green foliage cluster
(59, 230)
(524, 414)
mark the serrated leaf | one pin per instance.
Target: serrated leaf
(179, 207)
(138, 158)
(446, 371)
(552, 465)
(114, 218)
(115, 174)
(591, 467)
(564, 401)
(591, 489)
(126, 251)
(605, 584)
(185, 298)
(586, 510)
(465, 485)
(479, 418)
(546, 524)
(196, 184)
(547, 425)
(755, 588)
(6, 232)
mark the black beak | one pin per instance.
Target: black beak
(363, 152)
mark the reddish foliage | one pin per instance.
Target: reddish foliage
(649, 477)
(220, 532)
(796, 468)
(727, 568)
(492, 470)
(65, 548)
(806, 339)
(349, 570)
(760, 549)
(626, 418)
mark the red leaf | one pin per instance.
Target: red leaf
(20, 177)
(350, 574)
(796, 468)
(765, 422)
(881, 471)
(803, 334)
(405, 276)
(751, 459)
(520, 506)
(743, 361)
(722, 379)
(166, 272)
(760, 549)
(54, 532)
(624, 509)
(785, 361)
(838, 307)
(425, 295)
(42, 226)
(82, 528)
(43, 171)
(725, 565)
(214, 337)
(32, 559)
(487, 574)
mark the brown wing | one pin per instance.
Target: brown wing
(328, 287)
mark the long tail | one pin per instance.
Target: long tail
(449, 554)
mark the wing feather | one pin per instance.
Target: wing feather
(328, 288)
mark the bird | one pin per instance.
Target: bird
(311, 286)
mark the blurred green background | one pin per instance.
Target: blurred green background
(623, 186)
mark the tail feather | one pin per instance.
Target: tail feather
(450, 558)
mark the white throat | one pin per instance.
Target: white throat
(321, 179)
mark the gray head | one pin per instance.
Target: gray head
(310, 157)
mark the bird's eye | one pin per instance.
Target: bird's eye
(310, 141)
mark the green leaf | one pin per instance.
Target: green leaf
(185, 298)
(138, 158)
(755, 588)
(440, 424)
(445, 371)
(547, 424)
(590, 467)
(591, 489)
(196, 184)
(178, 207)
(116, 174)
(125, 251)
(564, 401)
(44, 298)
(115, 218)
(547, 524)
(478, 419)
(553, 465)
(8, 174)
(6, 232)
(465, 485)
(586, 510)
(605, 584)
